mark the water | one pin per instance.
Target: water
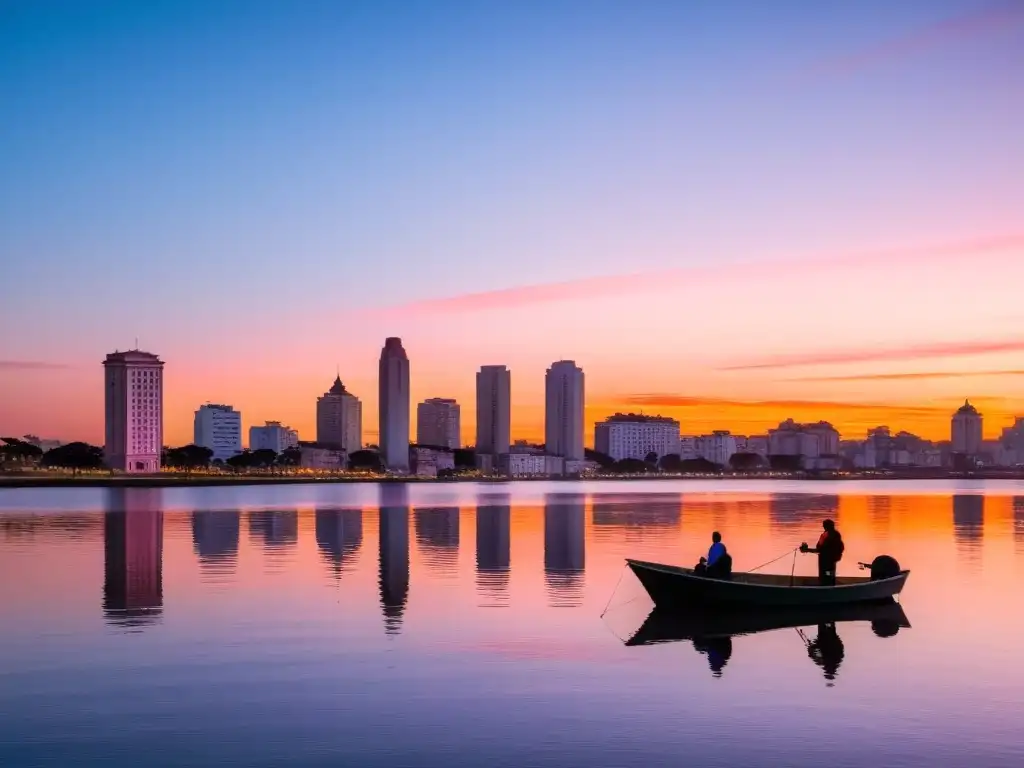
(460, 625)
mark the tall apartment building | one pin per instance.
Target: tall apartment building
(274, 436)
(439, 422)
(718, 447)
(807, 440)
(219, 428)
(966, 430)
(493, 410)
(134, 392)
(393, 405)
(633, 436)
(563, 410)
(339, 418)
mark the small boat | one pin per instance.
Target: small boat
(672, 586)
(663, 626)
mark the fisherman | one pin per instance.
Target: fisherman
(719, 562)
(829, 550)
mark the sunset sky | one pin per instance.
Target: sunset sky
(727, 212)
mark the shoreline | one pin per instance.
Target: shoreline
(18, 480)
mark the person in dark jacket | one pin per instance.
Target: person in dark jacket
(829, 550)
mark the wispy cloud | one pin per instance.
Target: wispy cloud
(991, 17)
(666, 400)
(909, 376)
(29, 365)
(910, 352)
(668, 279)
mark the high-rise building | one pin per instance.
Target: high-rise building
(134, 394)
(339, 418)
(438, 422)
(273, 436)
(635, 435)
(393, 404)
(219, 428)
(966, 430)
(563, 410)
(493, 410)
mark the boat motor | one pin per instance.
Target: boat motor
(882, 567)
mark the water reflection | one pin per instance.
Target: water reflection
(133, 541)
(564, 548)
(798, 509)
(215, 537)
(493, 549)
(394, 555)
(712, 634)
(1018, 523)
(437, 536)
(968, 525)
(339, 535)
(636, 516)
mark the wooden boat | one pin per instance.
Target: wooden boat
(672, 586)
(663, 626)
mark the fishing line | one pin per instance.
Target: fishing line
(621, 577)
(775, 559)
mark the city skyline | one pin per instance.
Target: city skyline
(830, 232)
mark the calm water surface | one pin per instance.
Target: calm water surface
(460, 625)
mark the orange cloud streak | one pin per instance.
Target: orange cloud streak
(909, 376)
(912, 352)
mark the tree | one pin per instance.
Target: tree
(74, 456)
(465, 458)
(671, 462)
(630, 467)
(241, 460)
(745, 462)
(263, 458)
(652, 458)
(15, 451)
(188, 457)
(367, 461)
(602, 460)
(698, 466)
(290, 457)
(785, 463)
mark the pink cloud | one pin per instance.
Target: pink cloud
(669, 279)
(993, 17)
(29, 365)
(910, 376)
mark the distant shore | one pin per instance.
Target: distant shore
(169, 480)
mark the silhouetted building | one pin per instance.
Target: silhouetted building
(439, 423)
(393, 405)
(437, 536)
(215, 536)
(965, 430)
(564, 548)
(493, 551)
(394, 555)
(563, 410)
(339, 419)
(339, 534)
(133, 542)
(493, 411)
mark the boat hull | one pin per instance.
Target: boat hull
(674, 587)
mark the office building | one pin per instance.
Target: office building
(134, 392)
(439, 423)
(393, 405)
(563, 410)
(219, 428)
(634, 436)
(273, 436)
(339, 419)
(493, 410)
(966, 430)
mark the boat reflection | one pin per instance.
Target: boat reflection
(712, 633)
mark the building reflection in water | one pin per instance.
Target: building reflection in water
(276, 529)
(215, 535)
(968, 524)
(339, 535)
(1018, 522)
(437, 536)
(801, 509)
(493, 550)
(564, 548)
(636, 516)
(394, 555)
(133, 542)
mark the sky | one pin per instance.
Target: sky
(731, 213)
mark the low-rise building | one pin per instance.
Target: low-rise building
(323, 458)
(274, 436)
(427, 461)
(219, 428)
(635, 436)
